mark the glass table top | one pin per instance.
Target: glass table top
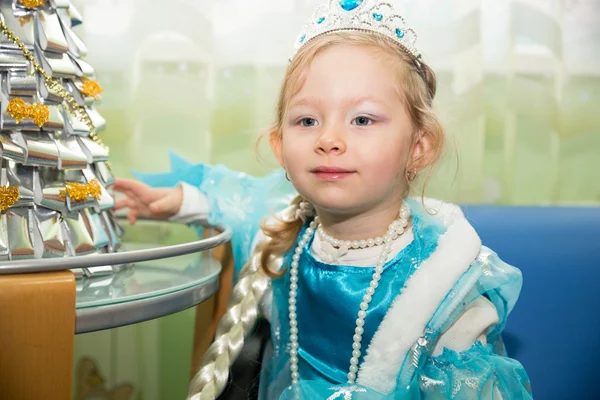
(153, 278)
(147, 279)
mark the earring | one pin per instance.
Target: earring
(287, 177)
(411, 175)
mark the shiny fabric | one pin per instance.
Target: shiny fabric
(478, 373)
(481, 372)
(331, 295)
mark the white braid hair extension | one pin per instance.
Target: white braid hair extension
(240, 318)
(211, 379)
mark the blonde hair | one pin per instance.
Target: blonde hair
(240, 318)
(417, 85)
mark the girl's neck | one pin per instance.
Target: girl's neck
(366, 225)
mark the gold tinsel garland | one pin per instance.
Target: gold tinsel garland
(32, 3)
(9, 195)
(80, 191)
(91, 88)
(20, 110)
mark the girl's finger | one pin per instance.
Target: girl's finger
(132, 216)
(125, 202)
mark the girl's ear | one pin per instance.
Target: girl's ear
(276, 143)
(423, 152)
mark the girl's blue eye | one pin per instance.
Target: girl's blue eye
(308, 122)
(363, 121)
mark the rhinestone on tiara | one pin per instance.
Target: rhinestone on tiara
(359, 15)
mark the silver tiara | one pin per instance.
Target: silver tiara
(359, 15)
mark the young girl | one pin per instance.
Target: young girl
(370, 294)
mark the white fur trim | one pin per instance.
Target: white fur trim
(424, 291)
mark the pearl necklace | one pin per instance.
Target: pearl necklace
(395, 229)
(397, 226)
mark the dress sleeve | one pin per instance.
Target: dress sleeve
(194, 205)
(476, 373)
(469, 360)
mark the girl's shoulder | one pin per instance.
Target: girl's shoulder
(434, 211)
(441, 227)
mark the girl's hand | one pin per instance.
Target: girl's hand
(145, 201)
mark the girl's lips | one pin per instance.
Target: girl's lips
(332, 176)
(331, 173)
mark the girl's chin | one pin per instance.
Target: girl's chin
(341, 205)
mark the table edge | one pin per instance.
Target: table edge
(91, 319)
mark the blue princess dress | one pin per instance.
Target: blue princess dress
(433, 327)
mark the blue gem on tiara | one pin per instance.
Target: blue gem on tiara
(302, 38)
(320, 20)
(399, 33)
(350, 5)
(378, 17)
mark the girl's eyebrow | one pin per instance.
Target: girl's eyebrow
(306, 101)
(351, 101)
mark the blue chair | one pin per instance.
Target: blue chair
(554, 330)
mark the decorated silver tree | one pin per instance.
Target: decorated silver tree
(55, 179)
